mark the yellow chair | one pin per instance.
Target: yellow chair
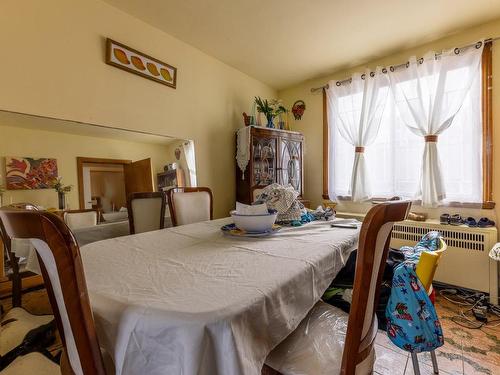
(426, 269)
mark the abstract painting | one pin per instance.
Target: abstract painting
(126, 58)
(24, 173)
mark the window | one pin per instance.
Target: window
(394, 159)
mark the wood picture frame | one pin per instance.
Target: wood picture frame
(126, 58)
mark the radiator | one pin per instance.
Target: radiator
(466, 262)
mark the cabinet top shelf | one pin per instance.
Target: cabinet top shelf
(271, 130)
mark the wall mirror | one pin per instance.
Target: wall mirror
(102, 165)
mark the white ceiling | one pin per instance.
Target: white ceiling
(283, 42)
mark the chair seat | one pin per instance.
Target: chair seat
(16, 324)
(316, 345)
(32, 363)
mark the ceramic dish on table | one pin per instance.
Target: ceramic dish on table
(255, 223)
(232, 230)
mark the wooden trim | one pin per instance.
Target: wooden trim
(487, 120)
(80, 160)
(487, 117)
(326, 137)
(109, 43)
(417, 202)
(145, 195)
(170, 195)
(27, 283)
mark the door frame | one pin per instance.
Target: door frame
(80, 160)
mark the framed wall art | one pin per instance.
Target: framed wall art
(25, 173)
(133, 61)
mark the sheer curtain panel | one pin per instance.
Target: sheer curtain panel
(428, 93)
(355, 110)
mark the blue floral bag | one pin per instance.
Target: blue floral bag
(412, 322)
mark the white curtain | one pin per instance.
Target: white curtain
(355, 109)
(428, 93)
(188, 148)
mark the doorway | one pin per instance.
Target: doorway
(104, 184)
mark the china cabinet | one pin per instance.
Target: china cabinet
(275, 156)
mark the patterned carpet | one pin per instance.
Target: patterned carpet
(466, 351)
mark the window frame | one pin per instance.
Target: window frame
(487, 125)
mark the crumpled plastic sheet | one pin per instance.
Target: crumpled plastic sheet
(316, 346)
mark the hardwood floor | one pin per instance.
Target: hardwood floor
(466, 351)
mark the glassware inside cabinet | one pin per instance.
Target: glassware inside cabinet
(290, 167)
(264, 161)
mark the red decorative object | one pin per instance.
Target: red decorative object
(246, 119)
(298, 109)
(177, 153)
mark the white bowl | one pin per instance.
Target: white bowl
(254, 223)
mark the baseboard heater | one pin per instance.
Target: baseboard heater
(466, 262)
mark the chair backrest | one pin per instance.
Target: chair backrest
(62, 271)
(373, 246)
(23, 206)
(76, 219)
(190, 205)
(428, 263)
(146, 211)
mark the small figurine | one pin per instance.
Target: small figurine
(298, 109)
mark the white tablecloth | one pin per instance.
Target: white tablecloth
(190, 300)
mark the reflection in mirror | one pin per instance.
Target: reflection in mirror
(93, 167)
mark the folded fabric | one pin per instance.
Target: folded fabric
(245, 209)
(284, 200)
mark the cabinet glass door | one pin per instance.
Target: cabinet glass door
(291, 167)
(264, 161)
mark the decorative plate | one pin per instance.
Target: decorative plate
(232, 230)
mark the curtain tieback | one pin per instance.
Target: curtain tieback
(431, 138)
(359, 149)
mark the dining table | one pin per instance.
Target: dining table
(194, 300)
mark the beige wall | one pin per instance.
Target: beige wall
(312, 126)
(53, 65)
(66, 148)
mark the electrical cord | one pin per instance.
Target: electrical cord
(471, 300)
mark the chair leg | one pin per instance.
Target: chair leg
(416, 368)
(434, 362)
(16, 291)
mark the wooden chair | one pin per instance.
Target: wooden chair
(62, 271)
(16, 274)
(189, 205)
(146, 211)
(75, 219)
(329, 341)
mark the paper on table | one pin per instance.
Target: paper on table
(245, 209)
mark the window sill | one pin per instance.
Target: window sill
(485, 205)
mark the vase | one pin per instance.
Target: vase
(270, 122)
(62, 200)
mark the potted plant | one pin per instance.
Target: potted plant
(270, 108)
(62, 190)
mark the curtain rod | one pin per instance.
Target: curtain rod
(315, 89)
